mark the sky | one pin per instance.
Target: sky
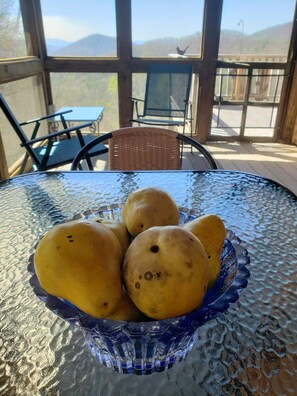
(71, 20)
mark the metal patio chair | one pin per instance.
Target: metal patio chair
(146, 148)
(166, 101)
(50, 151)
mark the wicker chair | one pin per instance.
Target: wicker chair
(146, 148)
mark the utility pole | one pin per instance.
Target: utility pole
(241, 22)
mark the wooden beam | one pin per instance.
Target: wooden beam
(15, 69)
(289, 127)
(294, 137)
(124, 48)
(82, 65)
(112, 65)
(4, 174)
(287, 114)
(32, 42)
(207, 78)
(33, 28)
(256, 65)
(36, 7)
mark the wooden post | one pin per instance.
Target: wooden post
(33, 27)
(289, 127)
(207, 78)
(287, 113)
(3, 164)
(124, 46)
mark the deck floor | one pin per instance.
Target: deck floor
(271, 160)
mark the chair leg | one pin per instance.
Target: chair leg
(181, 155)
(24, 163)
(89, 162)
(191, 123)
(191, 130)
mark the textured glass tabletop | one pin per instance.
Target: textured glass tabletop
(250, 349)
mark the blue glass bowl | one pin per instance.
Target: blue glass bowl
(152, 346)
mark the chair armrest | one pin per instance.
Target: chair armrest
(136, 99)
(135, 106)
(55, 134)
(189, 105)
(45, 117)
(84, 150)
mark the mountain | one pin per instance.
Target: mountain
(273, 40)
(53, 45)
(165, 46)
(93, 45)
(275, 31)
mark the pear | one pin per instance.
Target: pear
(127, 311)
(80, 261)
(210, 230)
(166, 272)
(149, 207)
(118, 228)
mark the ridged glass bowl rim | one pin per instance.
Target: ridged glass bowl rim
(211, 307)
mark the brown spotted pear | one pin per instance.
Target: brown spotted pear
(149, 207)
(210, 230)
(118, 228)
(166, 272)
(80, 261)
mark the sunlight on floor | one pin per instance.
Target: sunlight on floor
(251, 157)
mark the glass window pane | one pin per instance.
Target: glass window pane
(162, 28)
(260, 121)
(266, 85)
(226, 120)
(138, 85)
(138, 90)
(230, 84)
(76, 28)
(12, 35)
(26, 102)
(256, 30)
(88, 90)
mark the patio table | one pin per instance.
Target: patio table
(249, 349)
(84, 114)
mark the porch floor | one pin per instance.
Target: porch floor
(271, 160)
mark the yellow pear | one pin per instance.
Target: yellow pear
(210, 230)
(166, 272)
(149, 207)
(126, 310)
(80, 261)
(118, 228)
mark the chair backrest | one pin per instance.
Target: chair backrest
(145, 148)
(167, 90)
(17, 128)
(142, 148)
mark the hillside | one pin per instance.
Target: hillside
(93, 45)
(270, 41)
(273, 40)
(53, 45)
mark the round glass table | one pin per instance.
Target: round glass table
(249, 349)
